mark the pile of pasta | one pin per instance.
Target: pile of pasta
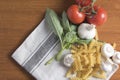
(87, 61)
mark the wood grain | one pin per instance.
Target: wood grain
(19, 17)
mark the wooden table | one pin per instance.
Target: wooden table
(18, 18)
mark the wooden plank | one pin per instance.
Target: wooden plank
(19, 17)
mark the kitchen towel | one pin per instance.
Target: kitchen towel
(39, 47)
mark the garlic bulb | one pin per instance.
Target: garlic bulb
(68, 60)
(107, 50)
(86, 31)
(116, 57)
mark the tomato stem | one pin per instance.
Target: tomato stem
(92, 5)
(84, 8)
(87, 13)
(79, 7)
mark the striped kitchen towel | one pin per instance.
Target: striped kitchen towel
(38, 48)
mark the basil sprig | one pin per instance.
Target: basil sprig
(64, 30)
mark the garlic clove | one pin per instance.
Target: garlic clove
(68, 60)
(107, 50)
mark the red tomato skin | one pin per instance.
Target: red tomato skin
(99, 18)
(83, 2)
(74, 15)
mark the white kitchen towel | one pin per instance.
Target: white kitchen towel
(38, 48)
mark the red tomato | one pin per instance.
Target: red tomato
(74, 14)
(99, 18)
(83, 2)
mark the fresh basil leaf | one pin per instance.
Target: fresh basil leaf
(54, 22)
(58, 56)
(70, 37)
(73, 27)
(65, 22)
(67, 45)
(80, 41)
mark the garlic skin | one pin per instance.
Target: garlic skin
(107, 50)
(116, 57)
(86, 31)
(68, 60)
